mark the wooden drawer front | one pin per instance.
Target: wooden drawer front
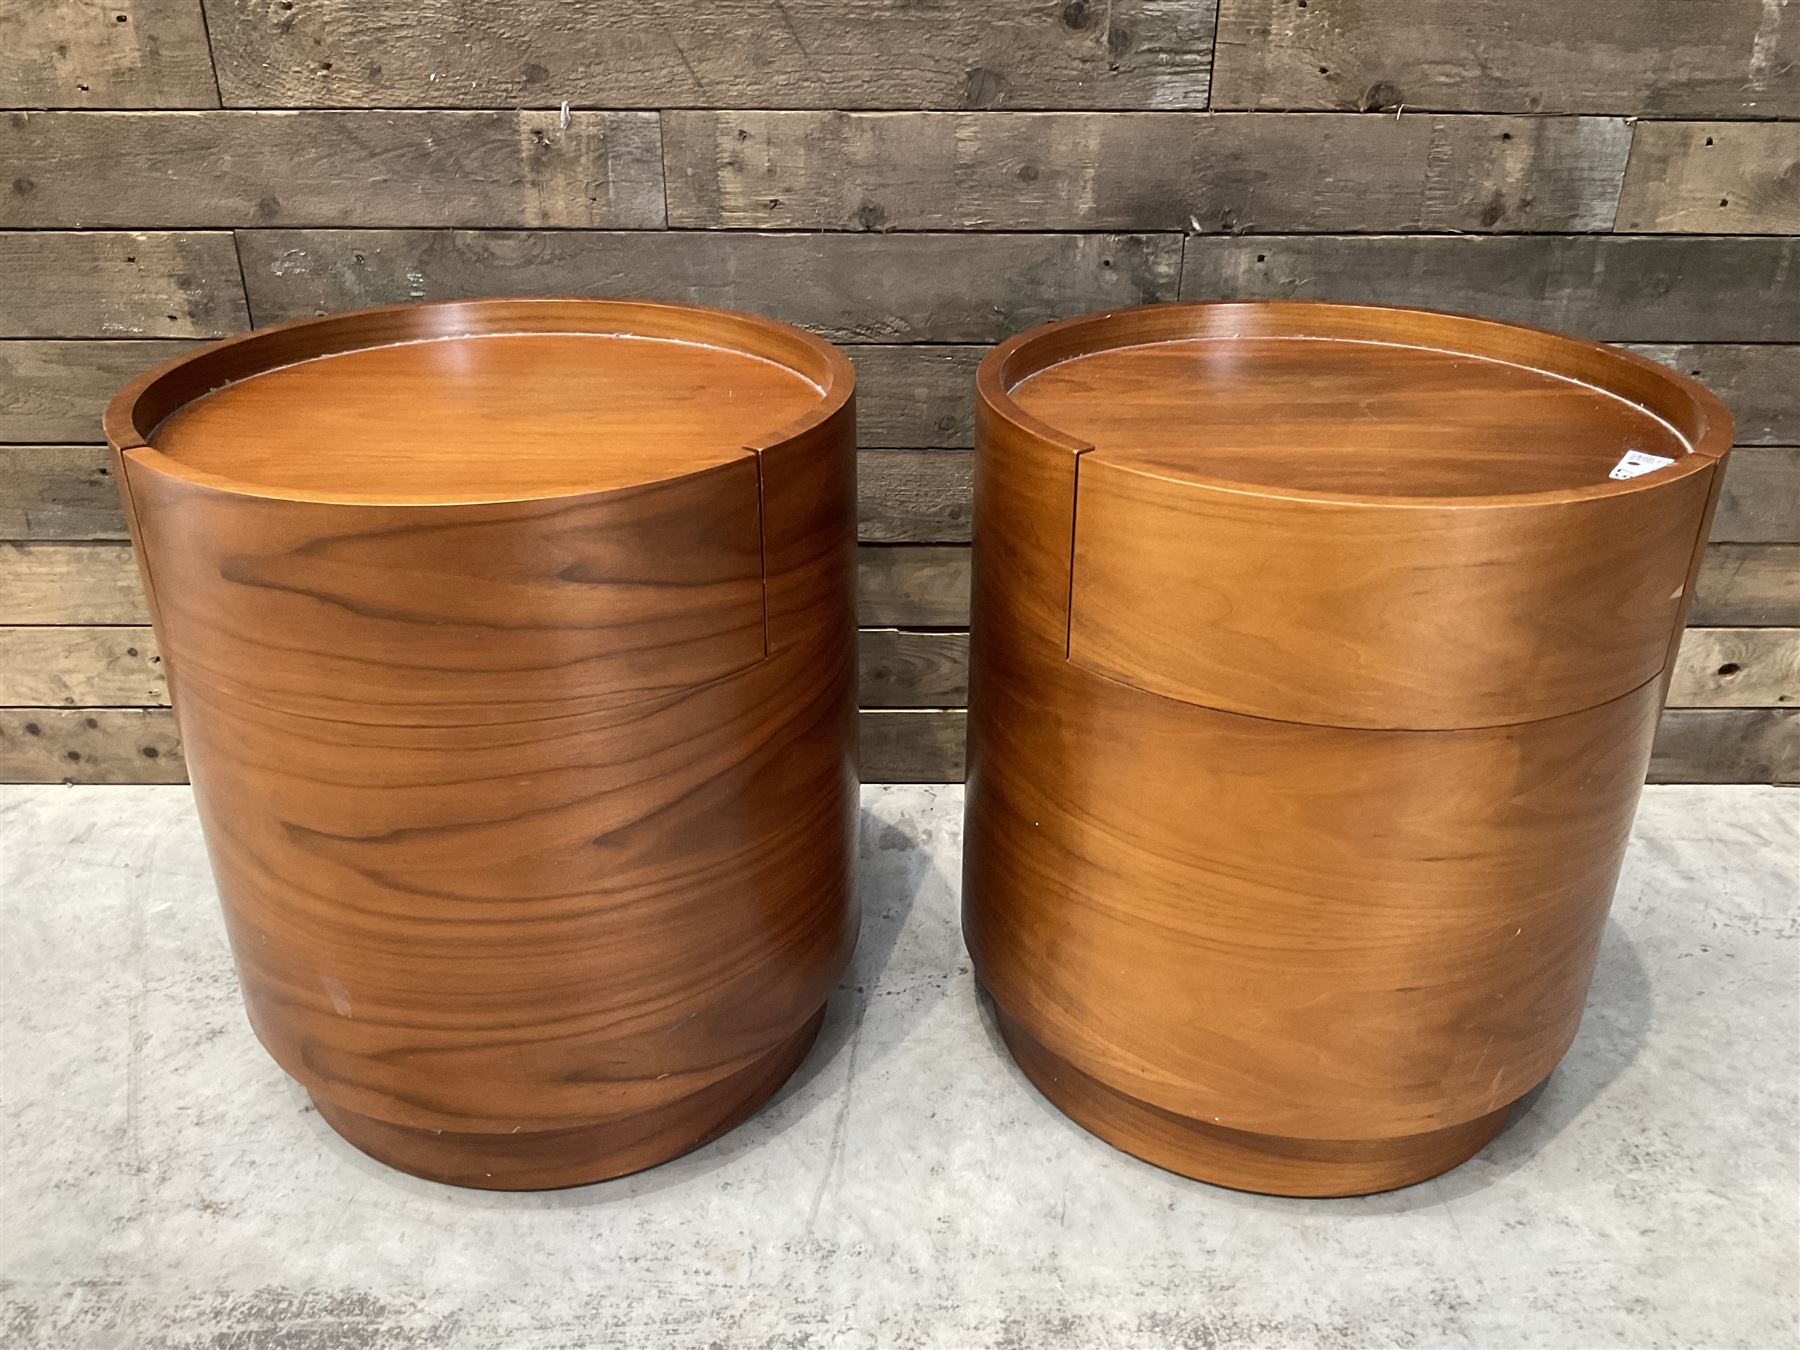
(455, 614)
(1377, 615)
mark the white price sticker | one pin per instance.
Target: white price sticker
(1636, 462)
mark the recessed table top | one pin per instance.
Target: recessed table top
(485, 416)
(1337, 415)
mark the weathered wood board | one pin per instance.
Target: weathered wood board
(955, 288)
(1196, 172)
(726, 53)
(105, 54)
(81, 284)
(1654, 58)
(514, 168)
(56, 391)
(1713, 178)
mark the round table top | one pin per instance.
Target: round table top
(496, 415)
(1337, 416)
(1353, 401)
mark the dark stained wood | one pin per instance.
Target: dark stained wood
(89, 745)
(733, 53)
(907, 288)
(116, 54)
(58, 492)
(901, 669)
(914, 496)
(1319, 949)
(575, 743)
(1662, 58)
(912, 586)
(917, 395)
(1713, 178)
(1749, 584)
(912, 746)
(81, 668)
(1759, 383)
(1197, 172)
(55, 391)
(1616, 288)
(77, 284)
(1738, 746)
(1760, 503)
(1737, 668)
(517, 168)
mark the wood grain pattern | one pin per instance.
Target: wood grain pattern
(58, 492)
(1738, 746)
(912, 746)
(911, 288)
(105, 54)
(518, 168)
(84, 583)
(73, 284)
(90, 745)
(917, 395)
(1263, 950)
(1760, 383)
(1737, 668)
(914, 496)
(1713, 178)
(1760, 501)
(1197, 172)
(81, 668)
(582, 755)
(55, 391)
(1616, 288)
(1663, 58)
(912, 586)
(743, 53)
(1754, 585)
(901, 669)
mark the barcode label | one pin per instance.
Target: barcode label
(1636, 462)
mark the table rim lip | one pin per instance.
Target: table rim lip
(833, 375)
(1021, 356)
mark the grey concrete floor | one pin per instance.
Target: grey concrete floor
(164, 1185)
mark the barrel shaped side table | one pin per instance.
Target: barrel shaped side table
(512, 648)
(1317, 653)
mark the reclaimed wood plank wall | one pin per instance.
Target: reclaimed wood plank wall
(914, 180)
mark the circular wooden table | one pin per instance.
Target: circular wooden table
(512, 647)
(1317, 653)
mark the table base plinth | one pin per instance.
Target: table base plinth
(547, 1159)
(1263, 1163)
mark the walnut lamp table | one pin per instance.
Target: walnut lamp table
(1317, 654)
(512, 648)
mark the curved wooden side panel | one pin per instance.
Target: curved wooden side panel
(534, 823)
(1366, 615)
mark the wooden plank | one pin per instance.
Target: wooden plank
(1713, 178)
(847, 287)
(1737, 668)
(737, 53)
(70, 583)
(1655, 58)
(515, 168)
(58, 492)
(68, 284)
(913, 746)
(910, 496)
(80, 667)
(56, 391)
(1759, 383)
(105, 54)
(921, 395)
(89, 745)
(1760, 502)
(1643, 288)
(1198, 172)
(1754, 585)
(912, 586)
(1707, 745)
(903, 669)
